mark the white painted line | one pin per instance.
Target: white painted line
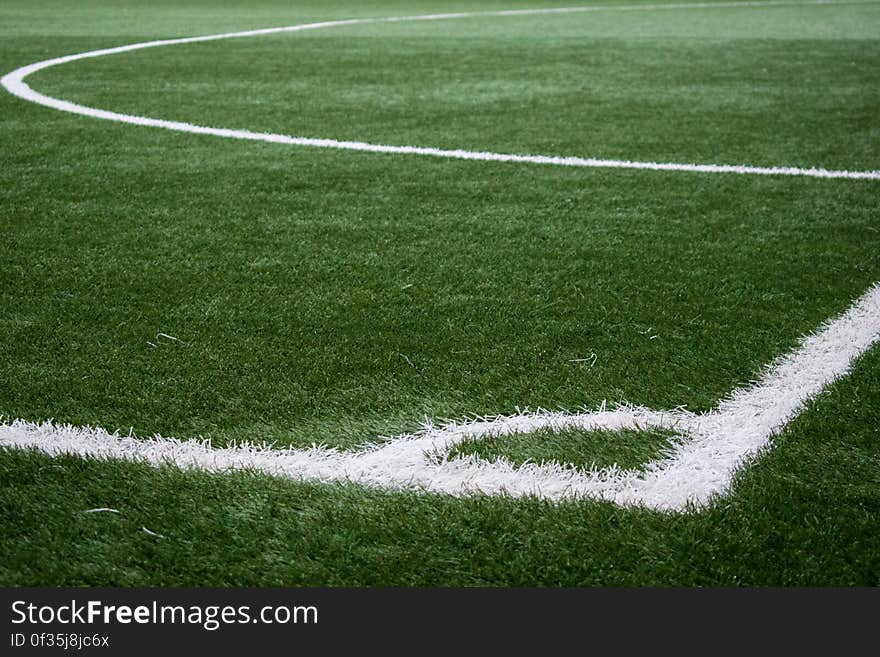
(702, 461)
(703, 458)
(14, 83)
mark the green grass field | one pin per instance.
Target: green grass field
(333, 297)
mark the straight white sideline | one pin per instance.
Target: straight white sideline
(699, 467)
(14, 83)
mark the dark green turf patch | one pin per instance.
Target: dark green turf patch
(807, 513)
(332, 298)
(589, 450)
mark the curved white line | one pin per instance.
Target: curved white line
(14, 83)
(700, 466)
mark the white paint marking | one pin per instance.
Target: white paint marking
(707, 450)
(14, 83)
(102, 509)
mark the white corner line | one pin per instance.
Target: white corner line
(15, 84)
(703, 459)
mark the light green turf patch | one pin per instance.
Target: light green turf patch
(710, 95)
(589, 450)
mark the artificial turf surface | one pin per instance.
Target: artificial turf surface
(587, 450)
(805, 514)
(319, 296)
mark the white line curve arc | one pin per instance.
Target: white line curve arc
(15, 84)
